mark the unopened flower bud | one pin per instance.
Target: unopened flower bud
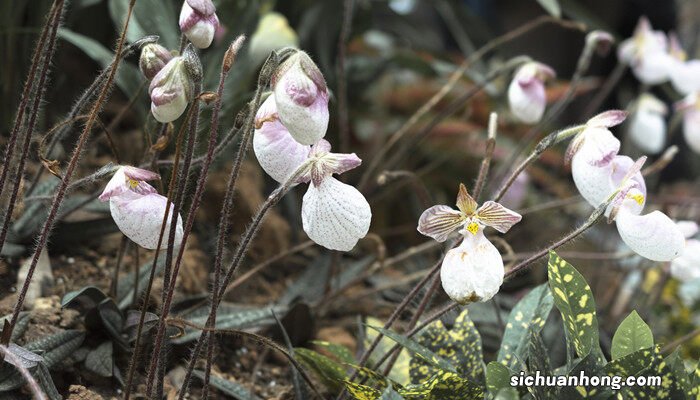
(601, 40)
(690, 108)
(272, 33)
(648, 124)
(302, 96)
(198, 21)
(526, 93)
(153, 59)
(171, 89)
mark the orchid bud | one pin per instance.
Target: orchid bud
(648, 124)
(198, 21)
(272, 33)
(602, 41)
(153, 58)
(277, 152)
(690, 107)
(526, 93)
(137, 208)
(684, 73)
(170, 90)
(687, 266)
(302, 98)
(646, 53)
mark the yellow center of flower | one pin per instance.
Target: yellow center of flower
(132, 183)
(473, 227)
(639, 198)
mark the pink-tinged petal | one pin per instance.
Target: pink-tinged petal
(205, 7)
(301, 103)
(624, 167)
(320, 148)
(573, 148)
(687, 266)
(654, 236)
(198, 27)
(599, 146)
(170, 91)
(140, 218)
(438, 222)
(465, 203)
(473, 271)
(335, 215)
(498, 217)
(116, 186)
(688, 228)
(592, 182)
(527, 98)
(607, 119)
(139, 174)
(277, 152)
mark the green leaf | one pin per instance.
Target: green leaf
(83, 299)
(57, 347)
(128, 77)
(633, 334)
(538, 360)
(497, 377)
(590, 367)
(390, 394)
(459, 346)
(443, 386)
(552, 7)
(400, 372)
(227, 387)
(340, 352)
(528, 316)
(362, 392)
(574, 299)
(331, 373)
(675, 364)
(230, 317)
(43, 378)
(125, 290)
(417, 349)
(100, 360)
(508, 393)
(634, 363)
(668, 389)
(694, 383)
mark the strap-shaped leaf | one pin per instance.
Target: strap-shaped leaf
(459, 346)
(528, 316)
(417, 349)
(340, 352)
(633, 334)
(58, 346)
(574, 299)
(362, 392)
(330, 372)
(538, 360)
(443, 386)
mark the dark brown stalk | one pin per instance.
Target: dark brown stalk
(344, 129)
(60, 193)
(224, 220)
(123, 246)
(53, 24)
(7, 354)
(26, 93)
(486, 162)
(149, 286)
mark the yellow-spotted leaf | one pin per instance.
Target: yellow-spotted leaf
(587, 366)
(497, 377)
(694, 379)
(459, 346)
(362, 392)
(443, 386)
(669, 388)
(340, 352)
(331, 373)
(527, 317)
(633, 334)
(574, 299)
(373, 378)
(399, 373)
(633, 364)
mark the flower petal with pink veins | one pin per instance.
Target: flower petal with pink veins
(654, 236)
(438, 222)
(473, 271)
(335, 215)
(140, 218)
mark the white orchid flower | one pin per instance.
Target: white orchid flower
(526, 93)
(648, 124)
(472, 271)
(690, 107)
(278, 153)
(137, 208)
(334, 214)
(646, 52)
(198, 21)
(684, 73)
(302, 98)
(687, 266)
(171, 90)
(598, 172)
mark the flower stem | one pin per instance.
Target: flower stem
(486, 162)
(61, 190)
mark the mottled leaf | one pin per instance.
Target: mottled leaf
(528, 316)
(633, 334)
(231, 318)
(331, 373)
(497, 377)
(362, 392)
(230, 388)
(390, 394)
(125, 290)
(587, 366)
(83, 299)
(100, 360)
(459, 346)
(538, 361)
(341, 353)
(400, 372)
(43, 378)
(574, 299)
(57, 347)
(634, 363)
(443, 386)
(417, 349)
